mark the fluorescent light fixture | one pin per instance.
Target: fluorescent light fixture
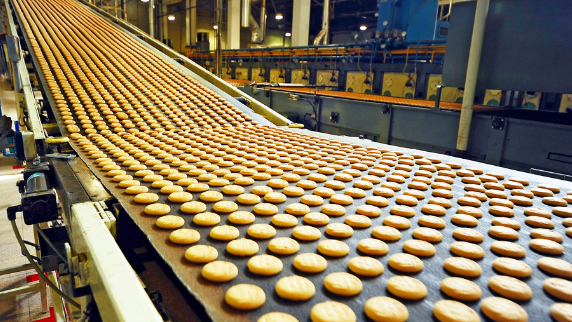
(363, 27)
(279, 16)
(288, 34)
(171, 17)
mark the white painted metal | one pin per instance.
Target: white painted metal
(233, 25)
(301, 22)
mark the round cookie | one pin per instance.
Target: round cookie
(193, 207)
(277, 317)
(468, 234)
(333, 248)
(559, 288)
(386, 233)
(219, 271)
(310, 263)
(180, 196)
(261, 231)
(365, 266)
(510, 287)
(283, 246)
(316, 219)
(461, 289)
(184, 236)
(343, 284)
(509, 249)
(224, 232)
(373, 247)
(339, 230)
(468, 250)
(284, 220)
(407, 287)
(406, 263)
(428, 234)
(265, 265)
(386, 309)
(245, 296)
(512, 267)
(546, 246)
(201, 254)
(206, 219)
(144, 198)
(332, 311)
(307, 233)
(462, 266)
(555, 266)
(432, 222)
(295, 288)
(500, 309)
(157, 209)
(561, 312)
(419, 247)
(170, 222)
(242, 247)
(241, 217)
(453, 311)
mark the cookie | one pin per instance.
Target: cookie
(201, 254)
(546, 234)
(297, 209)
(432, 209)
(265, 209)
(509, 249)
(502, 232)
(261, 231)
(283, 246)
(206, 219)
(224, 232)
(462, 266)
(468, 250)
(464, 220)
(559, 288)
(500, 309)
(453, 311)
(343, 284)
(461, 289)
(241, 217)
(468, 235)
(184, 236)
(333, 248)
(245, 296)
(180, 197)
(561, 312)
(555, 266)
(277, 317)
(312, 200)
(406, 287)
(333, 210)
(419, 247)
(406, 263)
(510, 287)
(386, 309)
(432, 221)
(170, 222)
(284, 220)
(378, 201)
(225, 206)
(507, 222)
(428, 234)
(401, 210)
(372, 247)
(332, 311)
(365, 266)
(211, 196)
(248, 199)
(316, 219)
(396, 222)
(157, 209)
(193, 207)
(369, 211)
(265, 265)
(386, 233)
(546, 246)
(242, 247)
(144, 198)
(512, 267)
(310, 263)
(295, 288)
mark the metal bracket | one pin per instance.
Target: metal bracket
(386, 109)
(498, 123)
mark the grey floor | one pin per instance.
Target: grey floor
(25, 307)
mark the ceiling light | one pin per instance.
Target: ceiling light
(288, 34)
(144, 0)
(171, 17)
(215, 27)
(363, 27)
(279, 16)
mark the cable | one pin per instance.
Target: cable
(37, 268)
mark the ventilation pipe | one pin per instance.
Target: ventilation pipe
(256, 32)
(262, 20)
(245, 14)
(323, 34)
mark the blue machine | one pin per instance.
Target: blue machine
(402, 22)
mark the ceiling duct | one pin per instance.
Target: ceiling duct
(323, 34)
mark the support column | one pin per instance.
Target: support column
(193, 22)
(151, 18)
(233, 25)
(472, 74)
(301, 22)
(187, 23)
(165, 21)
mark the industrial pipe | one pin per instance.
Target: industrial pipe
(151, 19)
(323, 34)
(472, 73)
(219, 38)
(262, 20)
(256, 37)
(245, 14)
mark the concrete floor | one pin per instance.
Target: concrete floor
(25, 307)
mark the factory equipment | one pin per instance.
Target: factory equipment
(531, 100)
(359, 82)
(399, 85)
(492, 97)
(566, 103)
(327, 78)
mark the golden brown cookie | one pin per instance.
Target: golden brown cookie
(461, 289)
(500, 309)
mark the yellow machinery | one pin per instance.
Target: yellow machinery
(448, 94)
(565, 102)
(323, 78)
(300, 76)
(399, 85)
(492, 97)
(531, 100)
(241, 73)
(277, 75)
(258, 75)
(356, 83)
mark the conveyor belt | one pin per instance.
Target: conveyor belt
(370, 97)
(134, 107)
